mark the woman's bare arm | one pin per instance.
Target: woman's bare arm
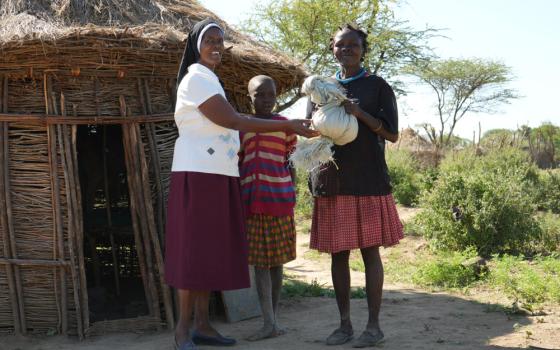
(219, 111)
(375, 124)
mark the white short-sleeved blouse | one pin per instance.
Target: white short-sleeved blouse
(202, 146)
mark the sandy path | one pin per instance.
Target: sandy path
(411, 319)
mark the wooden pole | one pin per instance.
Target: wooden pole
(8, 208)
(154, 155)
(58, 220)
(141, 214)
(14, 301)
(151, 227)
(35, 262)
(65, 153)
(57, 212)
(147, 279)
(44, 119)
(79, 221)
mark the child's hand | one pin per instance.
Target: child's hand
(351, 107)
(301, 127)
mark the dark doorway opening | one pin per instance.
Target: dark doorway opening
(115, 287)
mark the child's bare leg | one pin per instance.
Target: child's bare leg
(276, 277)
(264, 290)
(340, 272)
(187, 300)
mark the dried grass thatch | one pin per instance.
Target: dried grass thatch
(142, 38)
(65, 63)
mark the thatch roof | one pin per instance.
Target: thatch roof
(411, 140)
(137, 37)
(56, 19)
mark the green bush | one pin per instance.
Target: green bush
(534, 282)
(304, 199)
(549, 240)
(404, 175)
(548, 190)
(481, 202)
(447, 271)
(428, 178)
(506, 162)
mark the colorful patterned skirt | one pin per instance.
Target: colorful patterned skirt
(352, 222)
(272, 240)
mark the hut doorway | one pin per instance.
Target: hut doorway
(114, 282)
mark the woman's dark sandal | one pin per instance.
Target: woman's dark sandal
(368, 338)
(340, 336)
(188, 345)
(220, 340)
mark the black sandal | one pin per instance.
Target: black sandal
(368, 338)
(340, 336)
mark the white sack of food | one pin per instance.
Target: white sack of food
(331, 120)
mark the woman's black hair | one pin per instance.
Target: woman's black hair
(361, 33)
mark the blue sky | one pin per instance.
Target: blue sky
(523, 35)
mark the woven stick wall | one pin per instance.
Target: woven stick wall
(64, 64)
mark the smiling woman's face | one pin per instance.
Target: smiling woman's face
(211, 48)
(348, 48)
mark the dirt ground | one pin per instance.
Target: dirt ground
(411, 319)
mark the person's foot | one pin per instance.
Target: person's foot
(183, 342)
(340, 336)
(370, 337)
(206, 330)
(280, 330)
(268, 331)
(181, 337)
(217, 339)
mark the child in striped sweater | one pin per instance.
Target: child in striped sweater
(267, 185)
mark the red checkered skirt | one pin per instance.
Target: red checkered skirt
(352, 222)
(272, 240)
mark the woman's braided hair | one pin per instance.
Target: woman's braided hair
(362, 34)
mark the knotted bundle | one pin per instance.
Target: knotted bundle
(335, 125)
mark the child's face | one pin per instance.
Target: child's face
(263, 96)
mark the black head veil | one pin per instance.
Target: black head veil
(191, 54)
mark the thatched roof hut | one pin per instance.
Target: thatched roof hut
(86, 140)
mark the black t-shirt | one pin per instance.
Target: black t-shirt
(360, 165)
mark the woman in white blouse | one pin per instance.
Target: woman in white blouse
(206, 248)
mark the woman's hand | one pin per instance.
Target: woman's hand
(301, 127)
(351, 107)
(220, 112)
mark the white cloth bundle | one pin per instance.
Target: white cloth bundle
(331, 120)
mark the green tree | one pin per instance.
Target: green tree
(462, 86)
(303, 28)
(500, 138)
(544, 144)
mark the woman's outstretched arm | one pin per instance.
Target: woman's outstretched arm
(219, 111)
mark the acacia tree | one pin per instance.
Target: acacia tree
(303, 29)
(462, 86)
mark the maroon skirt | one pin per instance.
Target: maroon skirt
(205, 245)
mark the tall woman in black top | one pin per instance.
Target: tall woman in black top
(353, 207)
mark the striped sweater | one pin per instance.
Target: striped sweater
(266, 182)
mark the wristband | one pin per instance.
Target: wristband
(379, 127)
